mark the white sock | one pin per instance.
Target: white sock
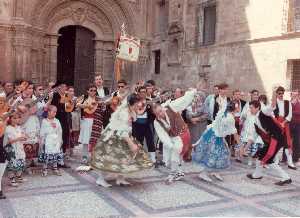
(289, 157)
(258, 170)
(152, 156)
(277, 156)
(280, 172)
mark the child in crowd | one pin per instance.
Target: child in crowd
(51, 138)
(14, 139)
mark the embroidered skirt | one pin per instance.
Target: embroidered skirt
(115, 156)
(211, 151)
(85, 130)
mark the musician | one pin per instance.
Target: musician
(42, 105)
(270, 132)
(282, 110)
(59, 100)
(97, 121)
(101, 91)
(86, 124)
(75, 120)
(150, 85)
(174, 133)
(8, 88)
(142, 127)
(121, 91)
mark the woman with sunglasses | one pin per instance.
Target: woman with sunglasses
(87, 121)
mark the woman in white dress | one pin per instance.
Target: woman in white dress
(211, 151)
(117, 151)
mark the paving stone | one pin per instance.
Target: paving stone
(72, 204)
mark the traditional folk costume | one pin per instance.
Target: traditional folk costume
(212, 151)
(98, 118)
(64, 119)
(247, 120)
(197, 111)
(282, 113)
(295, 130)
(32, 129)
(51, 139)
(15, 152)
(142, 128)
(86, 126)
(175, 135)
(75, 123)
(270, 132)
(112, 153)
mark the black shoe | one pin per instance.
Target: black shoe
(2, 196)
(64, 166)
(238, 160)
(292, 167)
(250, 176)
(282, 183)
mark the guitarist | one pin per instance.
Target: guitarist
(98, 115)
(88, 104)
(62, 116)
(101, 91)
(42, 105)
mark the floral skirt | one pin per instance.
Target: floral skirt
(57, 158)
(115, 156)
(211, 151)
(16, 165)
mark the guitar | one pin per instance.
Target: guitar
(91, 107)
(71, 103)
(29, 102)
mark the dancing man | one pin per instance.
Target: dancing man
(174, 133)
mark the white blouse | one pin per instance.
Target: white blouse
(51, 136)
(120, 122)
(12, 133)
(224, 124)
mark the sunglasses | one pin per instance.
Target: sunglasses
(121, 86)
(280, 93)
(92, 90)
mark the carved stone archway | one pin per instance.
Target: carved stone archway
(102, 17)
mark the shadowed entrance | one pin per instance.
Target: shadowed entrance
(76, 57)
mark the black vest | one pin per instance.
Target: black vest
(270, 126)
(286, 109)
(217, 106)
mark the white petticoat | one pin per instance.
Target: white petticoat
(86, 125)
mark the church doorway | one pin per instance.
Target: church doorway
(76, 57)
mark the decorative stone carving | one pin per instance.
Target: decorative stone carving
(79, 15)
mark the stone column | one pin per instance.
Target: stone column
(99, 55)
(52, 57)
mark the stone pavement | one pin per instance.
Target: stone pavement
(76, 195)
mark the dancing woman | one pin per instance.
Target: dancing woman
(211, 151)
(116, 151)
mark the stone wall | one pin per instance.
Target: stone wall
(252, 48)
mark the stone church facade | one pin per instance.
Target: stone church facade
(246, 43)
